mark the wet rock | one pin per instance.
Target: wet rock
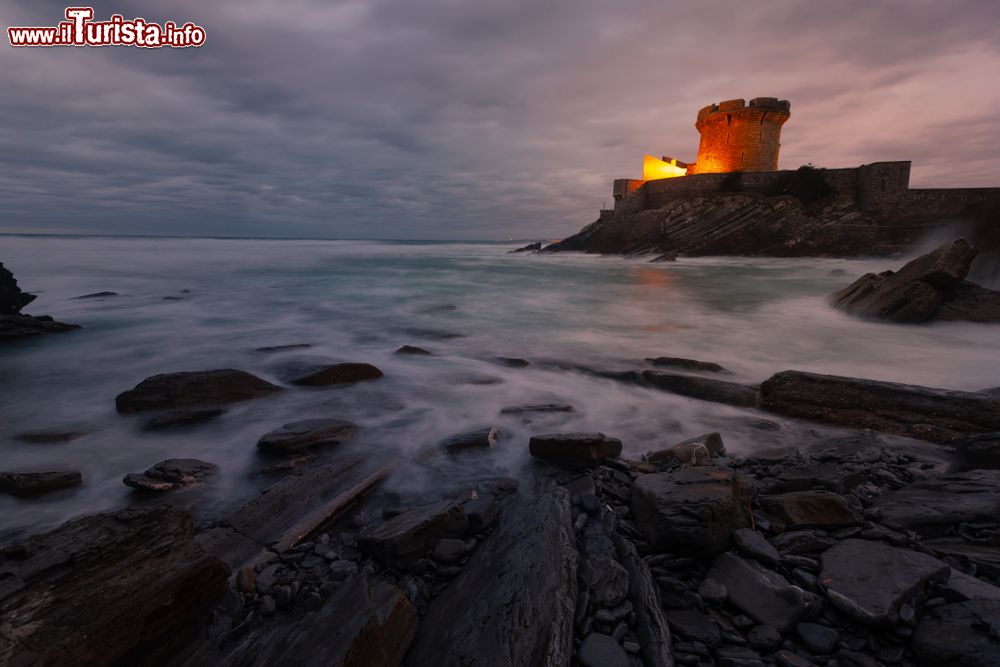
(283, 348)
(12, 298)
(979, 451)
(692, 511)
(574, 448)
(96, 295)
(737, 656)
(531, 247)
(695, 626)
(936, 415)
(938, 504)
(480, 512)
(764, 638)
(686, 364)
(533, 549)
(832, 476)
(964, 633)
(303, 435)
(192, 389)
(412, 349)
(789, 659)
(13, 327)
(449, 550)
(37, 483)
(512, 362)
(752, 544)
(603, 576)
(344, 373)
(818, 638)
(811, 508)
(929, 287)
(775, 455)
(961, 587)
(170, 474)
(765, 596)
(139, 585)
(698, 450)
(855, 575)
(706, 389)
(413, 534)
(181, 418)
(600, 650)
(538, 407)
(802, 542)
(482, 439)
(650, 626)
(712, 591)
(49, 437)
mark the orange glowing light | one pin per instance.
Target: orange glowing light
(654, 169)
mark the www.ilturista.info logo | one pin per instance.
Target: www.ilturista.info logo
(80, 30)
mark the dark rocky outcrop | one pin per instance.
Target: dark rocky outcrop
(24, 326)
(929, 287)
(303, 435)
(170, 474)
(127, 587)
(338, 374)
(12, 298)
(37, 483)
(413, 350)
(937, 415)
(531, 247)
(686, 364)
(706, 389)
(96, 295)
(193, 389)
(574, 448)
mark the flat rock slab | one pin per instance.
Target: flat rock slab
(37, 483)
(13, 327)
(193, 389)
(574, 448)
(300, 436)
(706, 389)
(803, 509)
(181, 418)
(936, 415)
(364, 622)
(694, 510)
(870, 580)
(686, 364)
(831, 476)
(765, 596)
(171, 474)
(486, 616)
(414, 533)
(936, 505)
(339, 374)
(965, 633)
(118, 588)
(484, 438)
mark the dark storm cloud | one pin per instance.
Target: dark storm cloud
(489, 119)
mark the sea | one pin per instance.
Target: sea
(188, 304)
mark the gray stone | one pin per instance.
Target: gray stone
(698, 450)
(600, 650)
(856, 575)
(753, 544)
(37, 483)
(936, 505)
(303, 435)
(449, 550)
(413, 534)
(802, 542)
(961, 587)
(706, 389)
(574, 448)
(964, 633)
(192, 389)
(484, 438)
(695, 510)
(695, 626)
(802, 509)
(764, 638)
(764, 595)
(832, 476)
(480, 512)
(737, 656)
(712, 591)
(412, 349)
(171, 474)
(818, 638)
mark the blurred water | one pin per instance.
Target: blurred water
(359, 301)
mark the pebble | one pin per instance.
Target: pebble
(267, 605)
(712, 591)
(764, 638)
(818, 638)
(631, 647)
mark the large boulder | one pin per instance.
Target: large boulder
(37, 483)
(936, 415)
(170, 474)
(706, 389)
(965, 633)
(306, 434)
(193, 388)
(574, 448)
(762, 594)
(126, 587)
(14, 327)
(694, 510)
(12, 299)
(929, 287)
(870, 580)
(936, 505)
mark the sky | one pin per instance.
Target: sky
(474, 119)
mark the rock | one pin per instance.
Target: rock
(737, 656)
(339, 374)
(432, 334)
(687, 364)
(49, 437)
(480, 512)
(12, 299)
(855, 659)
(803, 509)
(765, 596)
(413, 534)
(936, 505)
(789, 659)
(650, 625)
(698, 450)
(818, 638)
(193, 389)
(283, 348)
(303, 435)
(797, 542)
(775, 455)
(512, 362)
(922, 289)
(752, 544)
(97, 295)
(961, 587)
(832, 476)
(856, 577)
(412, 349)
(538, 407)
(936, 415)
(364, 622)
(574, 448)
(36, 483)
(482, 439)
(449, 550)
(979, 451)
(139, 585)
(532, 549)
(764, 638)
(603, 576)
(712, 591)
(600, 650)
(14, 327)
(171, 474)
(179, 418)
(694, 511)
(531, 247)
(695, 626)
(965, 633)
(706, 389)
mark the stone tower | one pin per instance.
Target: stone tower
(736, 136)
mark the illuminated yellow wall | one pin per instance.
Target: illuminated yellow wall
(654, 169)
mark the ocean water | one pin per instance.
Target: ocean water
(360, 301)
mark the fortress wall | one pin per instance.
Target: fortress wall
(942, 201)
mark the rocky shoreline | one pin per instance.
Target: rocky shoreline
(839, 548)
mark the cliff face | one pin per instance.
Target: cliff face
(754, 224)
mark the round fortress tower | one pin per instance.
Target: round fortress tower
(736, 136)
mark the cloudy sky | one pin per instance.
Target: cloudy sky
(466, 118)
